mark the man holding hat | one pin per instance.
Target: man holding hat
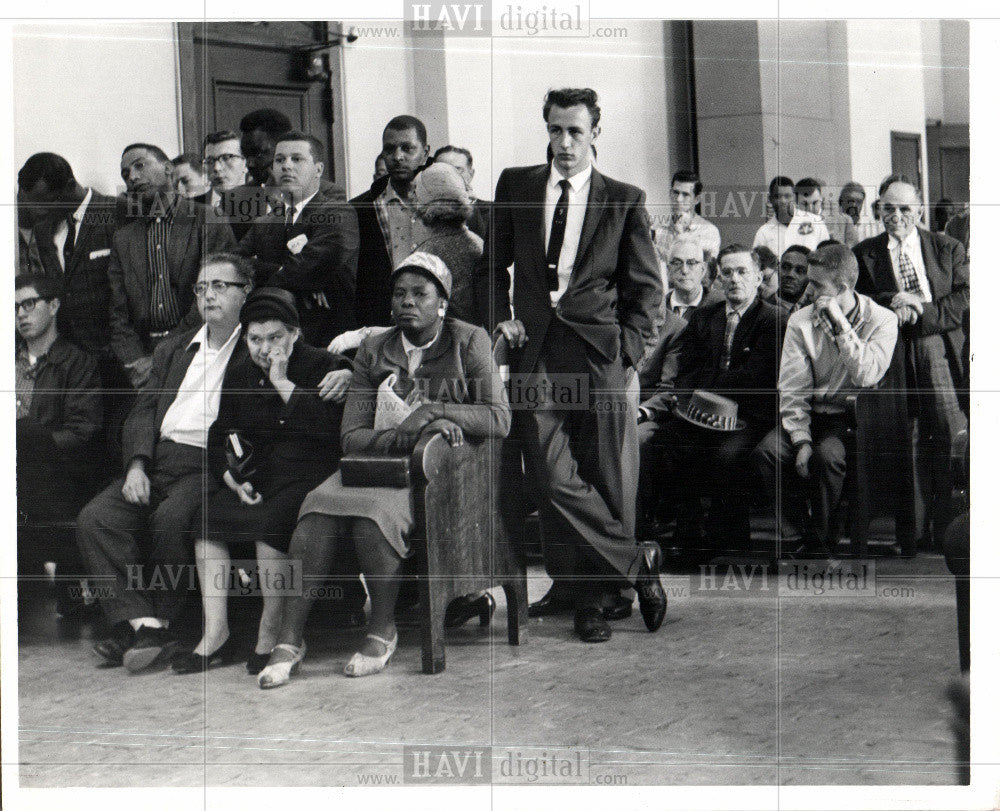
(135, 535)
(722, 404)
(841, 341)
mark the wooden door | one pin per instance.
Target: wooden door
(905, 151)
(230, 68)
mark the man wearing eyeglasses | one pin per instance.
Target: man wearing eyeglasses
(924, 278)
(730, 348)
(155, 259)
(135, 535)
(238, 203)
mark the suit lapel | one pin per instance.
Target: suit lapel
(884, 279)
(595, 210)
(717, 335)
(534, 192)
(746, 323)
(935, 274)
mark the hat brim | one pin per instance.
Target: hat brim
(681, 412)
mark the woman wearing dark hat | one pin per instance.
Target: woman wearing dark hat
(447, 367)
(273, 441)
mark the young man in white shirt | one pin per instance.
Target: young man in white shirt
(789, 225)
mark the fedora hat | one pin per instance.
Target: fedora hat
(711, 411)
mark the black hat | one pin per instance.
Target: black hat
(270, 304)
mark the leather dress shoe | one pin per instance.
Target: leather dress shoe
(550, 605)
(652, 597)
(192, 662)
(150, 646)
(590, 625)
(620, 608)
(112, 649)
(462, 609)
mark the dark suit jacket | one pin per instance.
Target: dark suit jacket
(615, 288)
(659, 369)
(171, 360)
(296, 440)
(752, 377)
(327, 263)
(374, 294)
(84, 310)
(948, 274)
(195, 232)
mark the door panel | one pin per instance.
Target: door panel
(229, 69)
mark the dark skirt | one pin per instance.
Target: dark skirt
(226, 519)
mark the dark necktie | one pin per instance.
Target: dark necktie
(70, 242)
(556, 237)
(732, 321)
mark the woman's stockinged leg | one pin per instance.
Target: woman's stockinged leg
(380, 564)
(314, 543)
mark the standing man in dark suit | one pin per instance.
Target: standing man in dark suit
(155, 259)
(386, 219)
(74, 229)
(924, 279)
(586, 288)
(134, 536)
(730, 348)
(308, 245)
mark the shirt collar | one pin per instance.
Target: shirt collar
(409, 347)
(577, 182)
(742, 310)
(201, 337)
(391, 194)
(78, 214)
(911, 242)
(695, 303)
(297, 208)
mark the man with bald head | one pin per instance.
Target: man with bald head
(924, 278)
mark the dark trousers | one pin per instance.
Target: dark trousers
(774, 458)
(939, 421)
(680, 463)
(582, 457)
(142, 553)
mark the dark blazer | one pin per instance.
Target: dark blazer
(374, 293)
(613, 294)
(659, 369)
(66, 403)
(195, 232)
(326, 264)
(239, 207)
(752, 377)
(457, 369)
(299, 439)
(84, 310)
(171, 360)
(948, 274)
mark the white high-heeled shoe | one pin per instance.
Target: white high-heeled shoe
(362, 665)
(278, 673)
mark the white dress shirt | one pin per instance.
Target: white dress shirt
(805, 229)
(62, 228)
(674, 305)
(196, 405)
(297, 208)
(911, 244)
(579, 191)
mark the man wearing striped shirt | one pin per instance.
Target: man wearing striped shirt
(841, 341)
(155, 259)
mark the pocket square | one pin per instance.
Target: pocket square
(100, 253)
(296, 244)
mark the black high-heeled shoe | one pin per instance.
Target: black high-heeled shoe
(462, 609)
(226, 654)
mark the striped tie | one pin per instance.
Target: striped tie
(731, 321)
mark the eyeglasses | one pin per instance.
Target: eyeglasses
(229, 158)
(677, 264)
(217, 285)
(29, 304)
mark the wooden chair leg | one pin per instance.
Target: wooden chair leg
(434, 601)
(516, 591)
